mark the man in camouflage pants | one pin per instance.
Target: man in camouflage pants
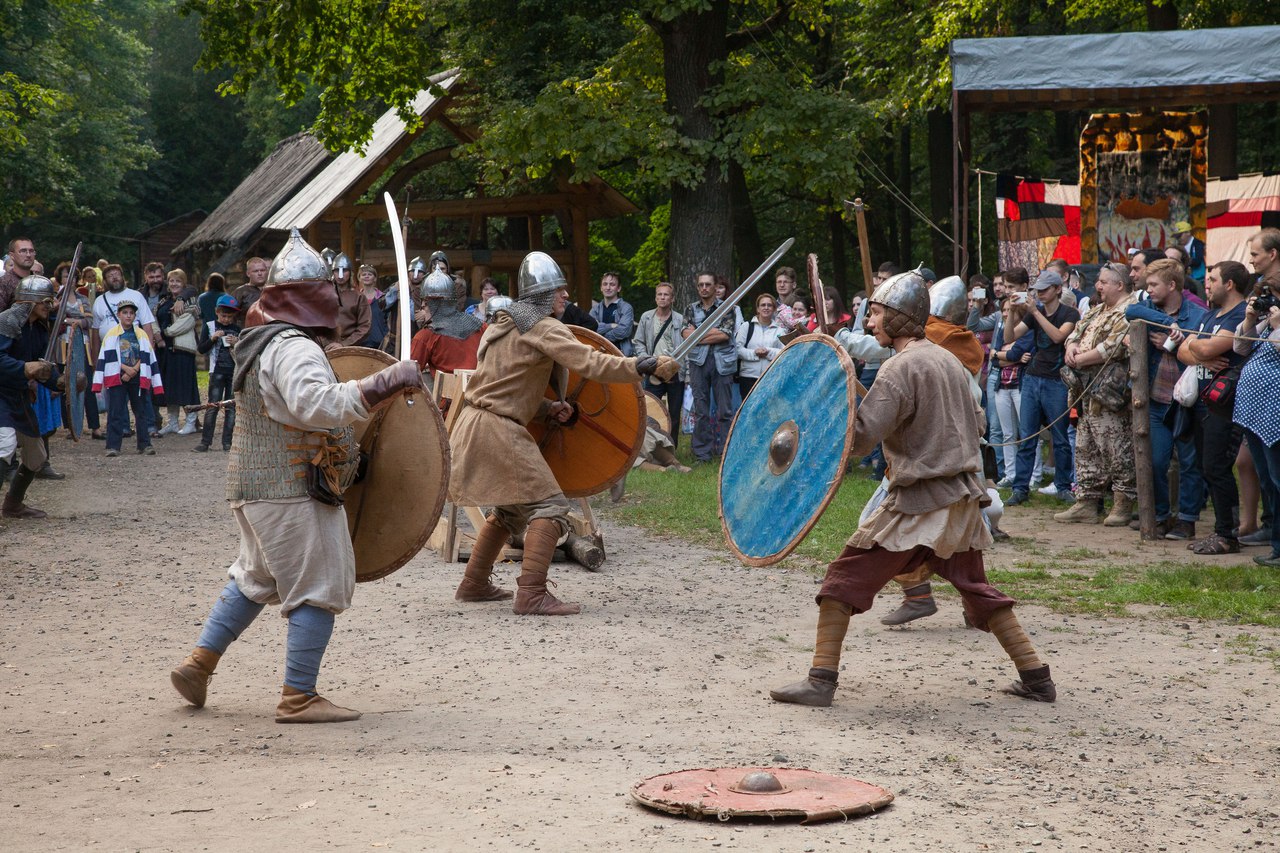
(1104, 437)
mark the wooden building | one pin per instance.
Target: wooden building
(158, 242)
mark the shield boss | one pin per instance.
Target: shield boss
(787, 450)
(392, 511)
(729, 792)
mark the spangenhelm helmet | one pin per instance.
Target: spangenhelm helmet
(438, 257)
(906, 295)
(341, 262)
(418, 265)
(34, 288)
(438, 285)
(539, 274)
(949, 300)
(298, 290)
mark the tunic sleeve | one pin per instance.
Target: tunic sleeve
(880, 412)
(558, 343)
(299, 388)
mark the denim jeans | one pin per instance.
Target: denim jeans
(1043, 401)
(1267, 461)
(1190, 482)
(120, 399)
(995, 435)
(219, 389)
(709, 434)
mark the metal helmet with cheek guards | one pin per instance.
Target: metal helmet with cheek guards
(907, 298)
(494, 305)
(298, 290)
(417, 266)
(949, 300)
(539, 274)
(438, 285)
(34, 288)
(439, 260)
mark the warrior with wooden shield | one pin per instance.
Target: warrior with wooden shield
(497, 461)
(932, 513)
(292, 455)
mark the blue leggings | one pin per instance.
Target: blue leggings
(309, 631)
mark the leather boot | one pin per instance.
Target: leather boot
(1121, 509)
(476, 584)
(48, 473)
(917, 604)
(13, 506)
(191, 678)
(298, 707)
(532, 598)
(1083, 511)
(1036, 685)
(817, 690)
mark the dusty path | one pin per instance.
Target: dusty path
(491, 732)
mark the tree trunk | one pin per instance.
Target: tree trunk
(1223, 160)
(746, 231)
(1163, 16)
(904, 183)
(701, 221)
(939, 189)
(838, 273)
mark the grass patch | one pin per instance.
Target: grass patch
(1067, 580)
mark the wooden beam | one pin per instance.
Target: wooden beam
(347, 228)
(545, 203)
(580, 285)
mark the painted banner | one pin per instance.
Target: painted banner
(1036, 221)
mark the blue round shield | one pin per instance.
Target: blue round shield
(77, 369)
(787, 450)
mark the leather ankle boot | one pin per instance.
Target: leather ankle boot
(1121, 509)
(817, 690)
(1083, 511)
(1035, 684)
(476, 584)
(298, 707)
(191, 678)
(532, 597)
(13, 506)
(917, 604)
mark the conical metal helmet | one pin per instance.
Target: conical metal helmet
(494, 305)
(34, 288)
(907, 294)
(438, 258)
(297, 261)
(539, 274)
(418, 265)
(438, 285)
(328, 255)
(341, 262)
(949, 300)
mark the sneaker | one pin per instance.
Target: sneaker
(1065, 497)
(147, 451)
(113, 453)
(1261, 536)
(189, 429)
(1006, 483)
(1179, 530)
(200, 448)
(1271, 562)
(226, 448)
(1017, 498)
(1050, 490)
(1162, 527)
(128, 433)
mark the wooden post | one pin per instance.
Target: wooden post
(1138, 379)
(864, 247)
(580, 284)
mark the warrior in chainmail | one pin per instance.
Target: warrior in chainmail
(24, 337)
(508, 390)
(932, 512)
(452, 338)
(292, 454)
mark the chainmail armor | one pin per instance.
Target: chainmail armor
(528, 311)
(447, 320)
(13, 319)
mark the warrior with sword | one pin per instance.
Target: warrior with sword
(292, 454)
(516, 358)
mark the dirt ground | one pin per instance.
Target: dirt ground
(485, 731)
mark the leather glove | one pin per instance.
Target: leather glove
(40, 371)
(379, 387)
(663, 367)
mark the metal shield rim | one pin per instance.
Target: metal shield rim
(851, 390)
(603, 344)
(422, 399)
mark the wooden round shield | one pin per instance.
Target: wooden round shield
(656, 408)
(392, 511)
(775, 792)
(787, 450)
(601, 446)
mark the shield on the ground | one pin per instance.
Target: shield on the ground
(77, 372)
(598, 449)
(393, 509)
(787, 450)
(729, 792)
(656, 408)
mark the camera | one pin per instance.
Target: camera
(1265, 301)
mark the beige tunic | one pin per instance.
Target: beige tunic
(297, 551)
(496, 462)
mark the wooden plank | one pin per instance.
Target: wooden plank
(542, 203)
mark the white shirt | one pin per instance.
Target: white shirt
(104, 310)
(751, 365)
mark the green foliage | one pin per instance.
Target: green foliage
(649, 263)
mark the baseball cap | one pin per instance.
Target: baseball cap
(126, 303)
(228, 302)
(1182, 226)
(1046, 280)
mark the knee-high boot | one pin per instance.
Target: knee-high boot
(532, 597)
(476, 584)
(13, 506)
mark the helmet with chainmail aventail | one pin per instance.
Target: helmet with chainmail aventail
(34, 288)
(539, 274)
(949, 300)
(907, 298)
(441, 295)
(298, 290)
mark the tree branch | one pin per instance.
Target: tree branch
(746, 35)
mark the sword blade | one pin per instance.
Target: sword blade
(63, 299)
(730, 301)
(405, 311)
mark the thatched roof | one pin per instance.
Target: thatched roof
(242, 213)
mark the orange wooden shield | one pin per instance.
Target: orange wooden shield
(393, 509)
(599, 449)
